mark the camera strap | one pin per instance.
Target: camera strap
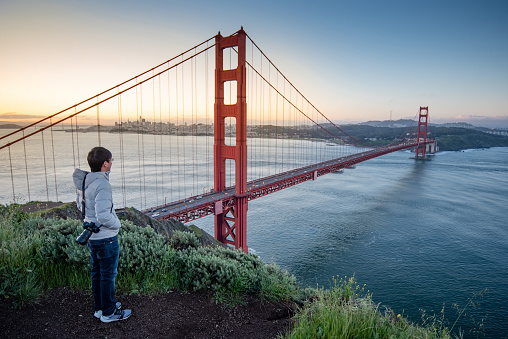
(83, 198)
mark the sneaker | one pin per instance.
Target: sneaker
(98, 314)
(118, 315)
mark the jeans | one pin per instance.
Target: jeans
(104, 258)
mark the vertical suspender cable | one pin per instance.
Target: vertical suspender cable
(177, 130)
(193, 136)
(54, 163)
(276, 126)
(207, 151)
(142, 141)
(12, 177)
(155, 142)
(120, 136)
(283, 117)
(98, 124)
(169, 137)
(77, 139)
(160, 138)
(26, 167)
(73, 152)
(183, 127)
(139, 150)
(45, 170)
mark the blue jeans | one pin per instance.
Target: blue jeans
(104, 257)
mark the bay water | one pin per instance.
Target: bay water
(422, 236)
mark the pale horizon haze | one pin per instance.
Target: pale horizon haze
(355, 61)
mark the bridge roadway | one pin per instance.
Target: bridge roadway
(202, 205)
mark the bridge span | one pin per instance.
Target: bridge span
(212, 203)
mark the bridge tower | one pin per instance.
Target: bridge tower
(421, 134)
(231, 219)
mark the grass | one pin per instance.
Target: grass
(38, 254)
(345, 311)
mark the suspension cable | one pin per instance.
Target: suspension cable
(12, 177)
(54, 163)
(103, 92)
(45, 170)
(26, 168)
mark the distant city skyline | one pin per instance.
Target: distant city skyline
(355, 61)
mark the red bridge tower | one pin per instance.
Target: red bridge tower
(231, 219)
(421, 134)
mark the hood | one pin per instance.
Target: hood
(79, 175)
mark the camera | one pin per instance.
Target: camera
(89, 228)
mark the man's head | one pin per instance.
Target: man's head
(99, 159)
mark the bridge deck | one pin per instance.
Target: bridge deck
(202, 205)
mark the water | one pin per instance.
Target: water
(420, 235)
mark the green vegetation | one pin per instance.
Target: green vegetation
(39, 253)
(346, 311)
(448, 138)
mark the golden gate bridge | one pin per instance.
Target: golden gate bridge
(212, 128)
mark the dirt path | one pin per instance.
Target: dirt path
(65, 313)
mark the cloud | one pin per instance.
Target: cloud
(18, 116)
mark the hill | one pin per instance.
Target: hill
(9, 126)
(448, 138)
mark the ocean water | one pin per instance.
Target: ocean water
(421, 235)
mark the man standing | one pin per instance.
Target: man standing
(103, 245)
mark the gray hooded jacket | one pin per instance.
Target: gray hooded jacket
(98, 202)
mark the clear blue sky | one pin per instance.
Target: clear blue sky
(354, 60)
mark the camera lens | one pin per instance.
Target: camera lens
(84, 236)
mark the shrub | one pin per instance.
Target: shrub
(233, 271)
(18, 258)
(182, 240)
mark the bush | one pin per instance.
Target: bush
(233, 271)
(49, 256)
(141, 249)
(345, 312)
(18, 258)
(182, 240)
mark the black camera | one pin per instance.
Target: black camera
(89, 228)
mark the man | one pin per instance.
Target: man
(103, 245)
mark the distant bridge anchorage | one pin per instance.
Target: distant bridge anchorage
(267, 136)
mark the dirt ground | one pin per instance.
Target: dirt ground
(65, 313)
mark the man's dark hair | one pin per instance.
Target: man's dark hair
(96, 158)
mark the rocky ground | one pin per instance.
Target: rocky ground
(65, 313)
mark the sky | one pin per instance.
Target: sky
(354, 60)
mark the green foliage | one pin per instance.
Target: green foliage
(346, 312)
(231, 272)
(277, 284)
(18, 255)
(14, 213)
(48, 255)
(143, 253)
(182, 240)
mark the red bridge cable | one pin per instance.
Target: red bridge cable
(26, 169)
(299, 110)
(12, 176)
(302, 94)
(54, 162)
(93, 105)
(97, 95)
(155, 141)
